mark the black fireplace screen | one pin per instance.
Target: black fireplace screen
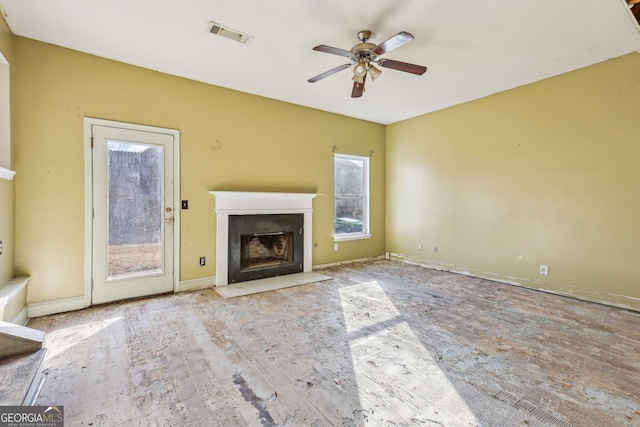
(260, 250)
(265, 246)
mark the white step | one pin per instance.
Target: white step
(16, 339)
(13, 300)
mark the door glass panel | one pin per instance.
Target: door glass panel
(134, 209)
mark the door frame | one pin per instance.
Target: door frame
(89, 122)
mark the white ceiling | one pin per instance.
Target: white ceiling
(471, 48)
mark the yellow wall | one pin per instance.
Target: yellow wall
(547, 173)
(229, 141)
(6, 187)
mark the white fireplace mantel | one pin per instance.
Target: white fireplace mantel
(258, 203)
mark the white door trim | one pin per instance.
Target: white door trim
(89, 122)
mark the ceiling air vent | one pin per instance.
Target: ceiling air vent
(222, 31)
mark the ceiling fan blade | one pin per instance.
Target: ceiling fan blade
(402, 66)
(393, 43)
(328, 73)
(358, 88)
(333, 50)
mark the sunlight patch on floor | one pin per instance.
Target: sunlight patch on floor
(385, 351)
(65, 338)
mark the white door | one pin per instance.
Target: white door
(133, 213)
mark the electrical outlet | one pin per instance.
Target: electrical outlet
(203, 260)
(419, 246)
(335, 246)
(544, 269)
(435, 249)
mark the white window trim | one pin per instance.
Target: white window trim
(355, 236)
(5, 121)
(351, 236)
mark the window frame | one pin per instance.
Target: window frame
(5, 121)
(365, 233)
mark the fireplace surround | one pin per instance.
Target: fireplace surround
(230, 205)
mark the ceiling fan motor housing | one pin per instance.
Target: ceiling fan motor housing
(363, 52)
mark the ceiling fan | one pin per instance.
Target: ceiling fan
(365, 55)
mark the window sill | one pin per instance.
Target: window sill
(6, 174)
(345, 237)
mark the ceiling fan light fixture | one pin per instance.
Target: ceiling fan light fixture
(360, 69)
(374, 72)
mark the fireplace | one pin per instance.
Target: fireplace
(262, 234)
(265, 245)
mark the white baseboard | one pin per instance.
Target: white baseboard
(351, 261)
(39, 309)
(196, 284)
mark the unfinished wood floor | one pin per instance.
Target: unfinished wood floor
(382, 344)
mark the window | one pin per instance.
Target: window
(5, 135)
(351, 192)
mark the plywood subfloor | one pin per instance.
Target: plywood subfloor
(382, 344)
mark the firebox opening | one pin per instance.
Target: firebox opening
(263, 250)
(265, 245)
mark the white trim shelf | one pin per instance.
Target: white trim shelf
(7, 174)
